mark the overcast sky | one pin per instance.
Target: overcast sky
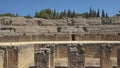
(25, 7)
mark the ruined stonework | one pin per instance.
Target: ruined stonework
(17, 29)
(118, 58)
(42, 58)
(76, 57)
(61, 51)
(52, 55)
(10, 57)
(52, 51)
(105, 55)
(1, 57)
(26, 56)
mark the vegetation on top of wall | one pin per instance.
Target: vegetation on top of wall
(53, 14)
(118, 14)
(28, 16)
(8, 14)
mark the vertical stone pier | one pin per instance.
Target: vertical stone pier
(42, 58)
(52, 55)
(105, 54)
(118, 58)
(10, 57)
(1, 57)
(76, 56)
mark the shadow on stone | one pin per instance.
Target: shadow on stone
(98, 67)
(91, 67)
(60, 67)
(114, 67)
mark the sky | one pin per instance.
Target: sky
(25, 7)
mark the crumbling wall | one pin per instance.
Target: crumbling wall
(61, 51)
(93, 50)
(61, 37)
(10, 59)
(26, 56)
(105, 56)
(1, 58)
(97, 37)
(76, 56)
(42, 58)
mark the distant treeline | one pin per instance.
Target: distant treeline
(53, 14)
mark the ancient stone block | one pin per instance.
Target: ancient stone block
(118, 58)
(61, 51)
(10, 57)
(105, 54)
(52, 55)
(42, 58)
(1, 57)
(76, 57)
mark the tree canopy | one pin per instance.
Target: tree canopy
(118, 14)
(53, 14)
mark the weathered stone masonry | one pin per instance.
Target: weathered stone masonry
(10, 56)
(105, 56)
(42, 58)
(76, 56)
(118, 58)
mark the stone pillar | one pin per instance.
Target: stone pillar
(56, 51)
(10, 57)
(42, 58)
(76, 57)
(105, 53)
(1, 57)
(118, 58)
(52, 55)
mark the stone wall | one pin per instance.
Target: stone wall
(26, 56)
(59, 37)
(92, 50)
(61, 51)
(26, 53)
(1, 58)
(98, 37)
(41, 37)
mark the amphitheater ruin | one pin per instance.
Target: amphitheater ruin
(60, 43)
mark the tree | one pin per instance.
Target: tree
(37, 14)
(85, 14)
(103, 13)
(73, 14)
(98, 13)
(61, 14)
(64, 14)
(94, 13)
(1, 14)
(46, 13)
(90, 12)
(54, 14)
(118, 14)
(57, 15)
(49, 12)
(28, 16)
(69, 14)
(17, 15)
(106, 15)
(9, 14)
